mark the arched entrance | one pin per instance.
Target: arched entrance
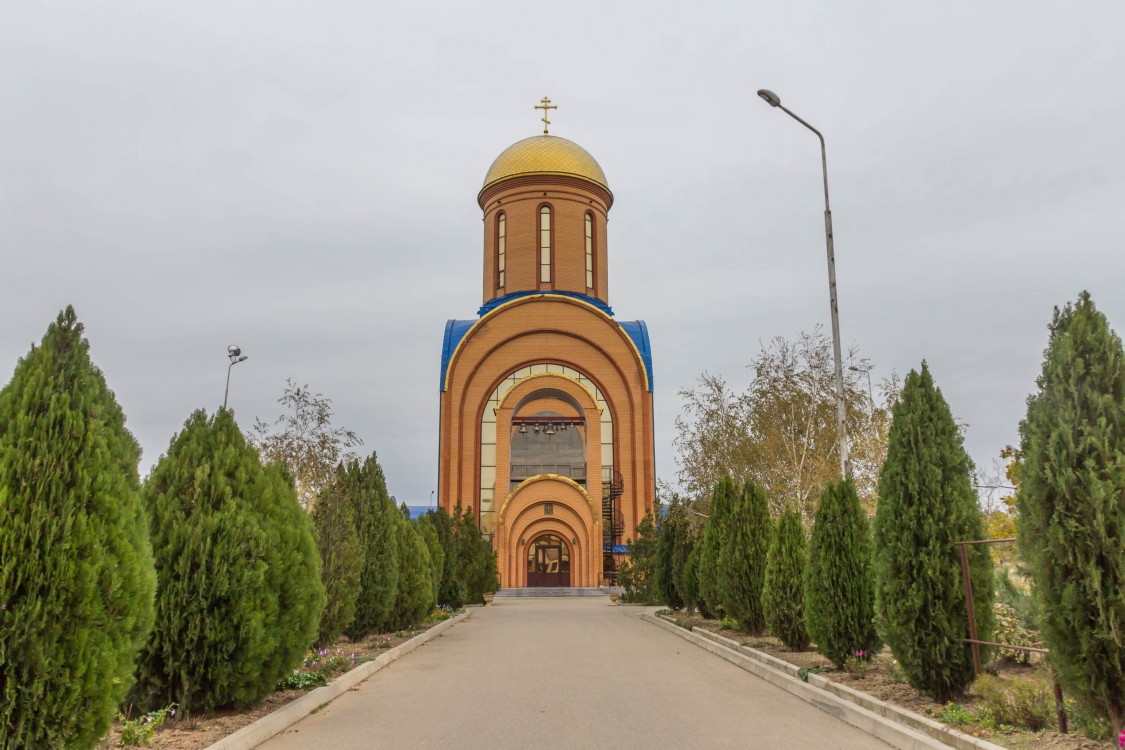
(548, 561)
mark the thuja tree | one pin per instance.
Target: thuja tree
(1071, 506)
(239, 592)
(742, 565)
(784, 593)
(668, 539)
(294, 570)
(476, 564)
(710, 592)
(839, 584)
(376, 519)
(689, 586)
(437, 556)
(415, 588)
(451, 590)
(76, 574)
(926, 503)
(340, 549)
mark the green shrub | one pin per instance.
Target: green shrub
(140, 732)
(1026, 704)
(76, 571)
(637, 575)
(239, 593)
(300, 679)
(376, 520)
(839, 590)
(926, 503)
(476, 564)
(784, 592)
(668, 539)
(451, 591)
(742, 563)
(340, 548)
(437, 558)
(414, 594)
(1071, 506)
(690, 580)
(710, 553)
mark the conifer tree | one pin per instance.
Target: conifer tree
(76, 572)
(710, 591)
(742, 565)
(839, 586)
(415, 592)
(437, 556)
(685, 543)
(340, 552)
(926, 503)
(690, 582)
(784, 592)
(668, 539)
(376, 520)
(477, 566)
(294, 569)
(239, 590)
(1071, 506)
(451, 593)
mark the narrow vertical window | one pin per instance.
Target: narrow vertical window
(589, 250)
(544, 244)
(501, 231)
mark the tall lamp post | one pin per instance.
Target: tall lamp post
(236, 356)
(845, 460)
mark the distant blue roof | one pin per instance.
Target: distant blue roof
(417, 511)
(455, 330)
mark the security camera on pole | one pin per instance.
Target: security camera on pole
(236, 356)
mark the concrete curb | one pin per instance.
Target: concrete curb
(252, 735)
(891, 724)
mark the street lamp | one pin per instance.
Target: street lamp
(845, 460)
(236, 356)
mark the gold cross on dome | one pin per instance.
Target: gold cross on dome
(545, 105)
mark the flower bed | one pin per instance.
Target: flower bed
(1001, 707)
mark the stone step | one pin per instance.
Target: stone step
(553, 591)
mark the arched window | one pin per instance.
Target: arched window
(589, 250)
(501, 231)
(544, 244)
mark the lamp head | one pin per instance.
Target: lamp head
(771, 98)
(233, 351)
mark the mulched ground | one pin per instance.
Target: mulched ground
(883, 681)
(198, 732)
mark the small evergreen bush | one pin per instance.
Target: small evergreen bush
(784, 591)
(839, 588)
(926, 503)
(239, 593)
(437, 557)
(376, 520)
(76, 571)
(414, 595)
(710, 554)
(742, 563)
(1071, 506)
(667, 541)
(340, 549)
(690, 581)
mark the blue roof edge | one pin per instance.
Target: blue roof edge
(455, 330)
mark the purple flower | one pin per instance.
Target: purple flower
(1121, 739)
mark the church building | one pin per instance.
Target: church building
(546, 429)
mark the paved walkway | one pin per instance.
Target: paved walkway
(566, 673)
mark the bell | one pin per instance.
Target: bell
(549, 431)
(523, 429)
(536, 429)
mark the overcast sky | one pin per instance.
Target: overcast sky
(301, 180)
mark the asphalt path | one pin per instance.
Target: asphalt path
(566, 673)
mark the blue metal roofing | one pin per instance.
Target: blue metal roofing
(455, 330)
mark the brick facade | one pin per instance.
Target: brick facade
(585, 352)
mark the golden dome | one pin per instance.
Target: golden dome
(545, 154)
